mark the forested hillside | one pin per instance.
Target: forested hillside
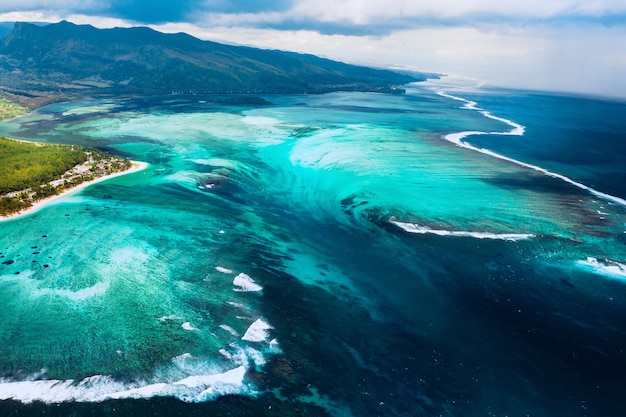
(39, 64)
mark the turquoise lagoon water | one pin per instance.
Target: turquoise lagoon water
(347, 254)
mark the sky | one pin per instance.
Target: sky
(556, 45)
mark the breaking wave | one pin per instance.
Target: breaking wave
(516, 130)
(415, 228)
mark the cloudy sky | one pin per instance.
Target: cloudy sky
(560, 45)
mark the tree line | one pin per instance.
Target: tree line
(28, 168)
(27, 165)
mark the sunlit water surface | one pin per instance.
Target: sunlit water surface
(347, 254)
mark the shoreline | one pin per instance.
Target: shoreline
(135, 167)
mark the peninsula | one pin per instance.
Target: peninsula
(32, 173)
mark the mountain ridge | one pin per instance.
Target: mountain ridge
(63, 61)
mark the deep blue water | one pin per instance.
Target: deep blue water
(401, 275)
(580, 136)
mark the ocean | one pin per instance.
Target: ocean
(459, 250)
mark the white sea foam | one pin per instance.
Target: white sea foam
(223, 270)
(79, 111)
(414, 228)
(229, 329)
(98, 388)
(57, 391)
(255, 356)
(147, 391)
(79, 295)
(257, 332)
(517, 130)
(237, 305)
(187, 326)
(247, 356)
(180, 359)
(275, 346)
(606, 267)
(259, 120)
(216, 162)
(170, 317)
(245, 283)
(226, 354)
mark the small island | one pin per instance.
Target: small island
(32, 172)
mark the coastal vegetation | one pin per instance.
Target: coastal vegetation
(9, 109)
(30, 172)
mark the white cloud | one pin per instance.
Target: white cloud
(45, 16)
(573, 55)
(577, 58)
(369, 10)
(55, 6)
(101, 22)
(352, 12)
(376, 12)
(30, 16)
(241, 19)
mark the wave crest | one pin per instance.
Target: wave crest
(414, 228)
(516, 130)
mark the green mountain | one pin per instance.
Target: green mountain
(64, 60)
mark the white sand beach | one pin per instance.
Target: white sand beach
(135, 167)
